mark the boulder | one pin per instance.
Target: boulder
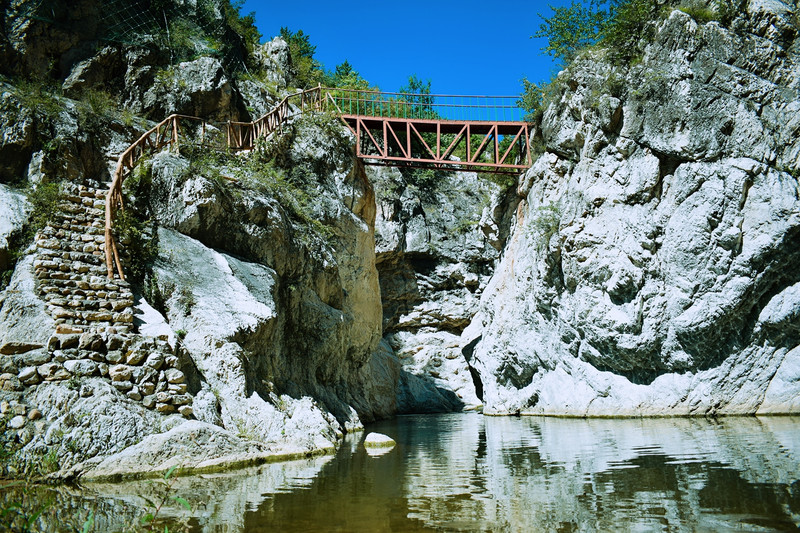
(199, 88)
(378, 440)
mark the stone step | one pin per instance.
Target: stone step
(90, 258)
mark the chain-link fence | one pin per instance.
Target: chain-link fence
(184, 30)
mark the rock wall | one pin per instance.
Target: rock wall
(280, 319)
(652, 265)
(273, 317)
(434, 262)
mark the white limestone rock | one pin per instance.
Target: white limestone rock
(651, 269)
(14, 209)
(378, 440)
(24, 322)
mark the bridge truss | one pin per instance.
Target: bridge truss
(474, 133)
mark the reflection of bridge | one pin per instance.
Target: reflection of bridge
(475, 133)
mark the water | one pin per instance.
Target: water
(466, 472)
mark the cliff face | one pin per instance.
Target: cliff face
(265, 285)
(434, 262)
(274, 311)
(652, 268)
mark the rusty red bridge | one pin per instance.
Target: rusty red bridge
(453, 132)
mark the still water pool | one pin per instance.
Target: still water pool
(467, 472)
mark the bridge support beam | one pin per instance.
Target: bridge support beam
(476, 146)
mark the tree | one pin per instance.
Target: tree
(308, 71)
(531, 100)
(619, 26)
(572, 28)
(346, 77)
(244, 25)
(417, 97)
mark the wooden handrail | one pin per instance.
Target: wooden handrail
(240, 136)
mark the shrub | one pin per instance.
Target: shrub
(544, 224)
(140, 240)
(619, 27)
(628, 22)
(699, 11)
(38, 96)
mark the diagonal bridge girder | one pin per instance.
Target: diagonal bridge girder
(415, 142)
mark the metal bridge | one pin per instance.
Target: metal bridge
(456, 133)
(476, 133)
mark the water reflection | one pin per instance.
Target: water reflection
(465, 472)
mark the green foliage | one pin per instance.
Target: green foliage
(544, 224)
(417, 95)
(22, 515)
(45, 200)
(263, 171)
(628, 23)
(140, 243)
(243, 25)
(39, 96)
(727, 10)
(618, 25)
(504, 181)
(155, 294)
(186, 299)
(73, 383)
(572, 28)
(134, 228)
(88, 524)
(187, 40)
(94, 108)
(346, 77)
(531, 100)
(699, 12)
(308, 71)
(149, 520)
(425, 180)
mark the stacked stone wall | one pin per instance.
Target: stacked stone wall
(70, 266)
(94, 336)
(145, 369)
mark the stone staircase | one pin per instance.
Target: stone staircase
(70, 267)
(94, 334)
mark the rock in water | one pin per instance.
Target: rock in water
(378, 440)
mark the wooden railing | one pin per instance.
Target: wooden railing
(238, 136)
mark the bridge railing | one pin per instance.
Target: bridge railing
(177, 129)
(426, 106)
(238, 136)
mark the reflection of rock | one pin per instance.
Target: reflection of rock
(496, 474)
(531, 473)
(220, 501)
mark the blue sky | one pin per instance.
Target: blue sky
(463, 47)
